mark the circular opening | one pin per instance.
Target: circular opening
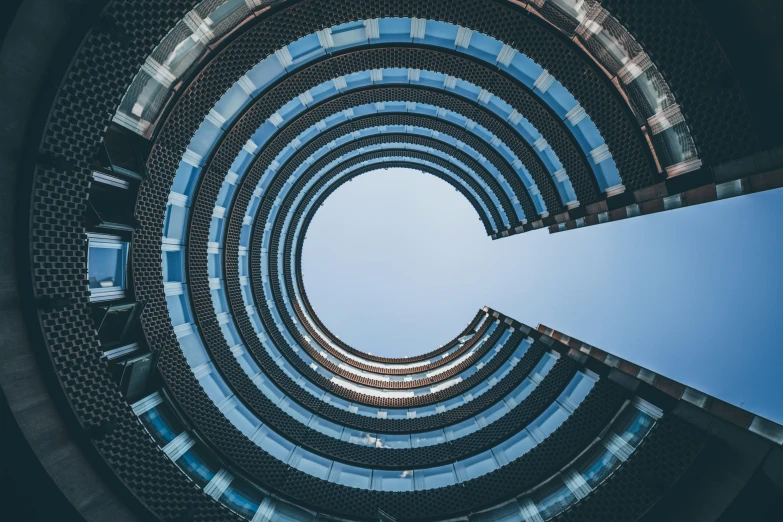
(384, 258)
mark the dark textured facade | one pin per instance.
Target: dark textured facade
(164, 160)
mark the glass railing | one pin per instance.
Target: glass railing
(199, 467)
(581, 478)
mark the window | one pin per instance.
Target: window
(162, 424)
(597, 464)
(241, 417)
(272, 392)
(548, 422)
(350, 476)
(514, 447)
(110, 205)
(509, 512)
(429, 438)
(461, 429)
(392, 480)
(394, 441)
(360, 437)
(122, 154)
(199, 465)
(296, 411)
(326, 427)
(310, 463)
(107, 258)
(476, 466)
(272, 443)
(492, 414)
(520, 393)
(576, 391)
(552, 498)
(242, 497)
(115, 322)
(439, 477)
(173, 264)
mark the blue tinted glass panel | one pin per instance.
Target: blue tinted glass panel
(350, 476)
(198, 465)
(391, 480)
(310, 463)
(242, 497)
(161, 424)
(430, 438)
(476, 466)
(430, 478)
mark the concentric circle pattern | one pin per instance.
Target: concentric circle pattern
(191, 144)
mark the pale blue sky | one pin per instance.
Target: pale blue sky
(396, 263)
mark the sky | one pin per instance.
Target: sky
(397, 263)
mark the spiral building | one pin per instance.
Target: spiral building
(163, 161)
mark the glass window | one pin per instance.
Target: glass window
(597, 464)
(520, 393)
(193, 350)
(204, 139)
(360, 437)
(633, 425)
(350, 476)
(277, 446)
(340, 404)
(310, 463)
(175, 221)
(220, 301)
(352, 33)
(514, 447)
(265, 72)
(268, 388)
(430, 438)
(243, 419)
(391, 480)
(424, 411)
(366, 411)
(287, 513)
(460, 430)
(492, 414)
(552, 498)
(185, 179)
(396, 414)
(179, 311)
(576, 390)
(394, 441)
(476, 466)
(242, 497)
(456, 402)
(162, 424)
(231, 103)
(326, 427)
(247, 363)
(542, 368)
(394, 29)
(481, 388)
(215, 388)
(296, 411)
(439, 477)
(106, 264)
(173, 266)
(548, 422)
(230, 333)
(312, 389)
(199, 465)
(509, 512)
(214, 265)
